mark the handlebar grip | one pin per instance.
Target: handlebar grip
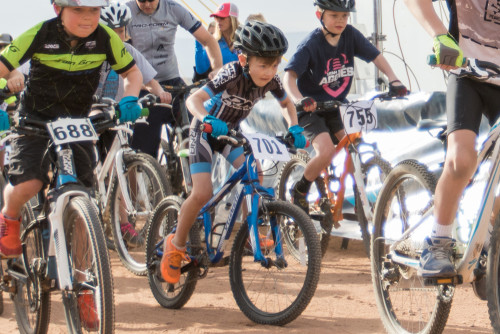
(207, 128)
(432, 60)
(145, 112)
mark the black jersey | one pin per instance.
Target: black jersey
(233, 94)
(62, 78)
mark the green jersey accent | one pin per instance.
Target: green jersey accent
(62, 78)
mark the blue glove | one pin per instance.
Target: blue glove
(219, 127)
(299, 141)
(130, 110)
(4, 120)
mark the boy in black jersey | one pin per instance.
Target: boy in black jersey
(322, 69)
(223, 103)
(66, 55)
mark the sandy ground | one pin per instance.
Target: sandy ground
(344, 303)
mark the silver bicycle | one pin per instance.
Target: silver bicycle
(406, 302)
(129, 185)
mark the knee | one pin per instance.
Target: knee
(199, 198)
(461, 165)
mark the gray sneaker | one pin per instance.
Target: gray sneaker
(437, 258)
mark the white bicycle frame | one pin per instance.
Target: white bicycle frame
(466, 264)
(113, 166)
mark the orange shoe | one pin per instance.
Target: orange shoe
(265, 242)
(88, 315)
(10, 241)
(172, 260)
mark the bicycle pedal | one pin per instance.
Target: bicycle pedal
(433, 281)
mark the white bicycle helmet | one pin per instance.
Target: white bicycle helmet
(116, 15)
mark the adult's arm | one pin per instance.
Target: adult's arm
(212, 47)
(424, 12)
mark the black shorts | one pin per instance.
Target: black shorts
(30, 159)
(147, 137)
(467, 100)
(315, 123)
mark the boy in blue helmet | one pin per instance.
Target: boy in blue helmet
(322, 69)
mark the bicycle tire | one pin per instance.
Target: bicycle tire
(163, 220)
(493, 278)
(375, 170)
(294, 169)
(292, 282)
(31, 301)
(152, 189)
(90, 305)
(406, 194)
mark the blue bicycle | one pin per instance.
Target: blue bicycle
(271, 284)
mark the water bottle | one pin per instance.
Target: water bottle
(220, 219)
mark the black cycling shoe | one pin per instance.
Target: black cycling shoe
(300, 199)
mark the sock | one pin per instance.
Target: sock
(303, 185)
(439, 230)
(488, 237)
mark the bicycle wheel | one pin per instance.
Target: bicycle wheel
(292, 172)
(278, 293)
(493, 277)
(146, 186)
(375, 171)
(405, 304)
(163, 220)
(90, 306)
(31, 301)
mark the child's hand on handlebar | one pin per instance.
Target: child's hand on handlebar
(299, 141)
(307, 103)
(219, 127)
(396, 88)
(130, 109)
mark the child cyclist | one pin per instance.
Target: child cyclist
(117, 16)
(322, 69)
(223, 103)
(66, 55)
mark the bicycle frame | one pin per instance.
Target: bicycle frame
(114, 165)
(351, 166)
(247, 175)
(479, 229)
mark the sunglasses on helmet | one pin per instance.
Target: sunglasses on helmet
(143, 1)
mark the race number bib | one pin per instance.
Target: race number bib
(266, 147)
(359, 116)
(69, 130)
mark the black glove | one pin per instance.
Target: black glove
(399, 90)
(306, 102)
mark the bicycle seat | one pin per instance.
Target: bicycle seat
(429, 124)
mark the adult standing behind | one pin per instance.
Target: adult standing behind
(153, 27)
(226, 18)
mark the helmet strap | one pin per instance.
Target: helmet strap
(328, 32)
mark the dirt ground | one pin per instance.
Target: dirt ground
(344, 303)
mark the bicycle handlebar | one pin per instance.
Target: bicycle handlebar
(236, 138)
(474, 68)
(333, 104)
(184, 89)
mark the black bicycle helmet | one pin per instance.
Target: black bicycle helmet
(336, 5)
(260, 39)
